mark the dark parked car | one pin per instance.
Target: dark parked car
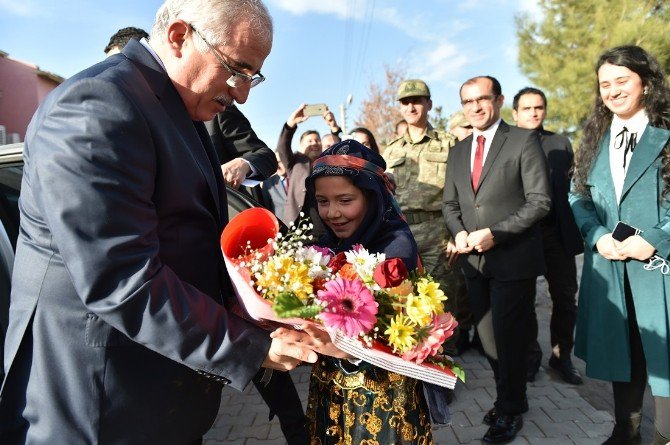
(11, 170)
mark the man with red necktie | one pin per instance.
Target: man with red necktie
(496, 191)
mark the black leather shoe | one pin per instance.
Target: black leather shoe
(566, 369)
(491, 417)
(625, 433)
(531, 373)
(504, 430)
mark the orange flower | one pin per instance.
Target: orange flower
(348, 272)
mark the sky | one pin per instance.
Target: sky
(323, 50)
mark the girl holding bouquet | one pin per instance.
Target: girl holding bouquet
(352, 401)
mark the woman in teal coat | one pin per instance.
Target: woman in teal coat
(623, 174)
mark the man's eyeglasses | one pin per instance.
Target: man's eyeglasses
(477, 100)
(236, 79)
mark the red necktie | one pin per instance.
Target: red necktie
(477, 166)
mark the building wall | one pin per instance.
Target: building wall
(22, 87)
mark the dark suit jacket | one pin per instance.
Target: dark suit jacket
(558, 150)
(274, 196)
(232, 136)
(513, 195)
(117, 332)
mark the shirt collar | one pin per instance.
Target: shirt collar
(635, 124)
(146, 44)
(488, 133)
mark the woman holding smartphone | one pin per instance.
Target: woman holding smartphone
(622, 173)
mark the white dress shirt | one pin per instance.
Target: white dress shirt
(636, 124)
(488, 135)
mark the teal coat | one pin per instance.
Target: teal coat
(602, 327)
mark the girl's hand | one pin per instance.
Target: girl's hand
(607, 248)
(635, 247)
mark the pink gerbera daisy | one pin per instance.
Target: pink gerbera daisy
(349, 306)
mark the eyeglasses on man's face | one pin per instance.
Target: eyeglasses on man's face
(236, 79)
(477, 100)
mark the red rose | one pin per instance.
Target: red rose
(390, 273)
(336, 263)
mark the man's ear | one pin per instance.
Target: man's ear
(177, 34)
(429, 105)
(515, 116)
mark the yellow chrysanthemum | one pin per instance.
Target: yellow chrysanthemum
(283, 274)
(419, 309)
(401, 334)
(433, 294)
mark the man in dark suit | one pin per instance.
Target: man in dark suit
(119, 328)
(496, 191)
(560, 238)
(242, 154)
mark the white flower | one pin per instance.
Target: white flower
(365, 264)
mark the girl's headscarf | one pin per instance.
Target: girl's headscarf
(383, 229)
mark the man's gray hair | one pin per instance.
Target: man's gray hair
(214, 19)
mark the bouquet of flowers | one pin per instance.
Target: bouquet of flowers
(372, 307)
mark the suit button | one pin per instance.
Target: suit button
(476, 206)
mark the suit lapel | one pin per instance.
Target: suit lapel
(460, 155)
(646, 152)
(496, 146)
(195, 139)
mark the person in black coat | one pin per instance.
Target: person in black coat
(560, 239)
(241, 152)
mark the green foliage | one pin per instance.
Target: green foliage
(506, 114)
(444, 362)
(559, 52)
(437, 118)
(287, 305)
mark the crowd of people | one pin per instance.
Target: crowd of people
(122, 328)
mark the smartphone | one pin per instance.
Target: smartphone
(314, 110)
(622, 231)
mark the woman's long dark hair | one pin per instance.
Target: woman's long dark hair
(656, 102)
(373, 142)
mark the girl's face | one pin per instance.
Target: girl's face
(342, 205)
(621, 90)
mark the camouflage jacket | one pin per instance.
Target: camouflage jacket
(419, 169)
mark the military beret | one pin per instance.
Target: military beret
(458, 119)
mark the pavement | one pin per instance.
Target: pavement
(559, 413)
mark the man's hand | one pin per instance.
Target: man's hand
(297, 117)
(329, 117)
(451, 251)
(481, 240)
(607, 248)
(635, 247)
(235, 171)
(461, 242)
(288, 349)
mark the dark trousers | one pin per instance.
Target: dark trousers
(561, 277)
(502, 312)
(282, 398)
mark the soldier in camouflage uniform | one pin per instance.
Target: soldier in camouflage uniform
(418, 161)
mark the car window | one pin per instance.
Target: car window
(10, 185)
